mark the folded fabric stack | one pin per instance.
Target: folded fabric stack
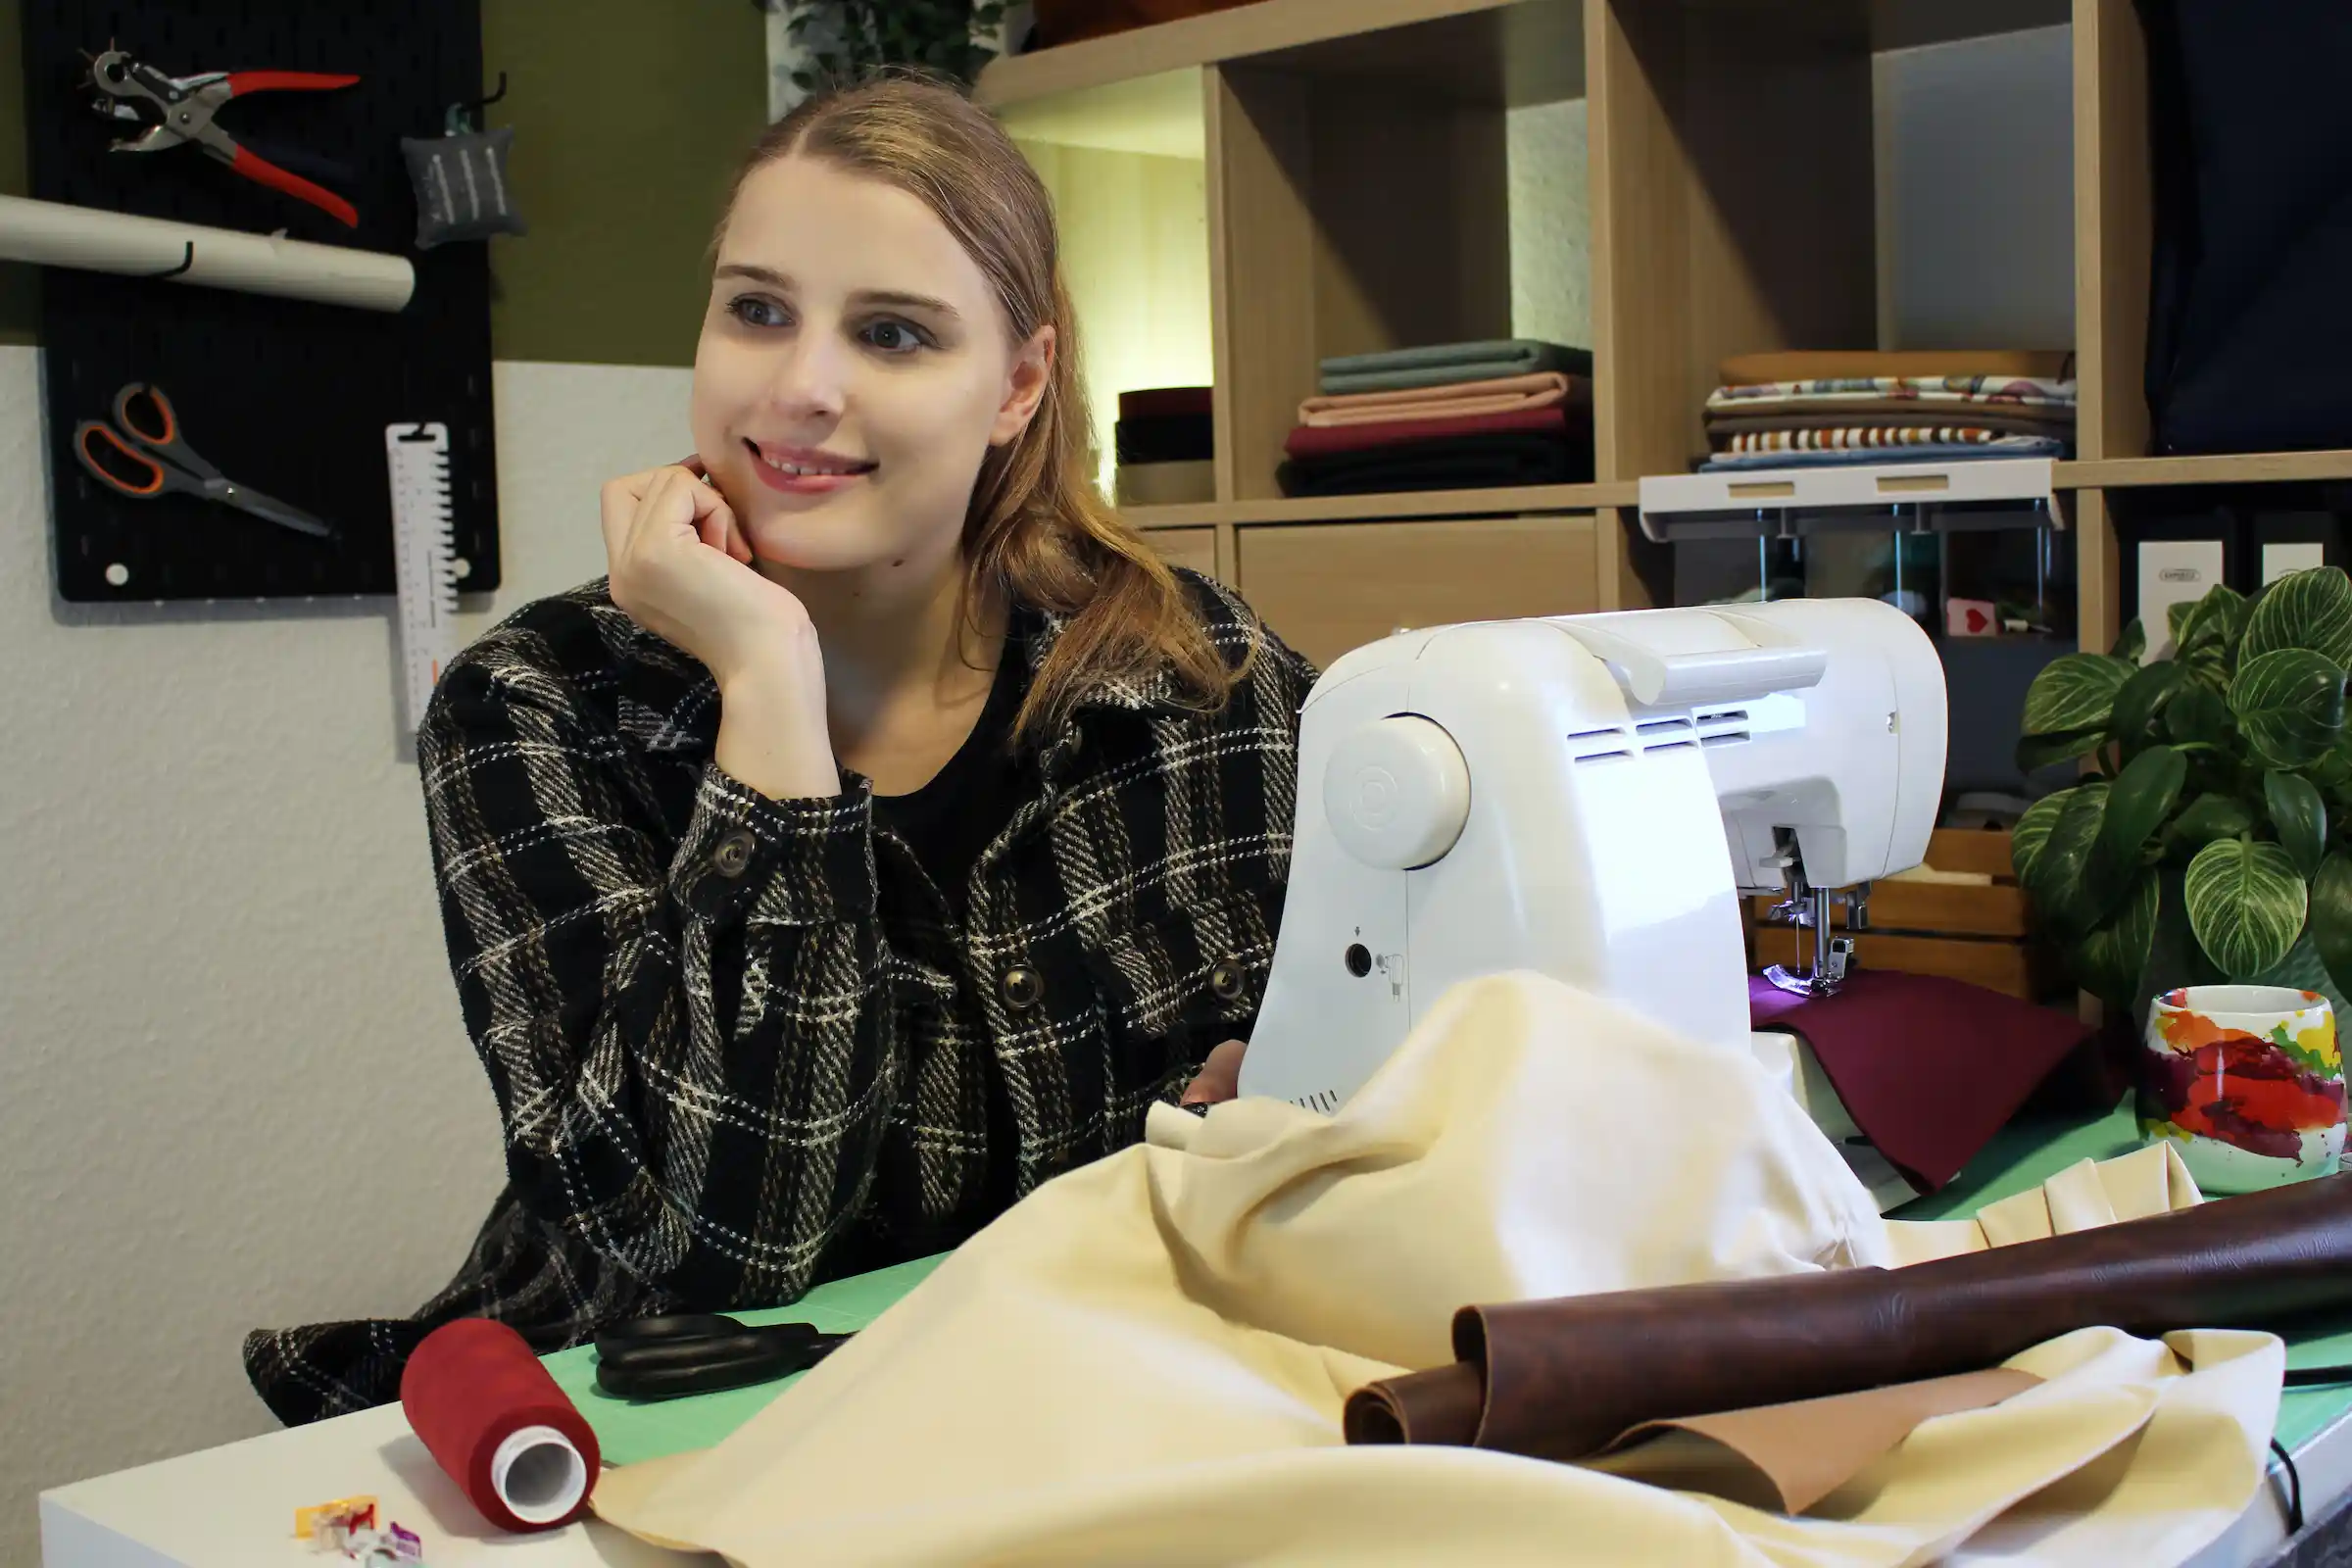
(1785, 410)
(1166, 441)
(1448, 416)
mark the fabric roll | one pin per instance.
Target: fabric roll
(1447, 364)
(1164, 438)
(2056, 424)
(1560, 1379)
(1161, 402)
(2008, 446)
(1164, 484)
(1822, 365)
(1320, 441)
(1511, 394)
(1872, 437)
(1457, 463)
(1744, 397)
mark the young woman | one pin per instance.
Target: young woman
(887, 832)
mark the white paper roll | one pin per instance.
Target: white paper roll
(57, 234)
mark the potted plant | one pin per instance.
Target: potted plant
(846, 39)
(2211, 838)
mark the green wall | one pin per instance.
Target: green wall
(628, 116)
(19, 307)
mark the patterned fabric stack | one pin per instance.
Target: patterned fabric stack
(1448, 416)
(1165, 443)
(1781, 410)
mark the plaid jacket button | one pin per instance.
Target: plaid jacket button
(733, 857)
(1227, 982)
(1023, 989)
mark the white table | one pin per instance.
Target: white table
(234, 1507)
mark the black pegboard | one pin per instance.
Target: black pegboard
(288, 395)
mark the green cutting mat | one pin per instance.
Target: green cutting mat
(630, 1430)
(2022, 1156)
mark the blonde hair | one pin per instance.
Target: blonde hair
(1036, 528)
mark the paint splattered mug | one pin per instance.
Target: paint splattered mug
(2248, 1080)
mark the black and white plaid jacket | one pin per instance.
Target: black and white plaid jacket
(739, 1044)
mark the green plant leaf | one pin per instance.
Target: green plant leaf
(2138, 802)
(2131, 643)
(2303, 609)
(2332, 918)
(2202, 820)
(2140, 700)
(2075, 692)
(2290, 703)
(2057, 878)
(2111, 959)
(2175, 622)
(2198, 716)
(2245, 903)
(2038, 752)
(2300, 816)
(2214, 622)
(2032, 830)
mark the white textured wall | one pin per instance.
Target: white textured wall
(1551, 223)
(234, 1086)
(1975, 175)
(1135, 250)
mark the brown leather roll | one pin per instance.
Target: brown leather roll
(1559, 1378)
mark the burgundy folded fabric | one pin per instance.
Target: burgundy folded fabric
(1928, 1068)
(1322, 441)
(1560, 1379)
(1166, 402)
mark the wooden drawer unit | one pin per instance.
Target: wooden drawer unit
(1328, 587)
(1981, 934)
(1193, 548)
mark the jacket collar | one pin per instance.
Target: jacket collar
(668, 702)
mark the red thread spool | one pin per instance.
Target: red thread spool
(494, 1419)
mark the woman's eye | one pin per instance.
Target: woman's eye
(753, 310)
(894, 337)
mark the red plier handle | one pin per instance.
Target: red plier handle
(260, 170)
(254, 167)
(241, 83)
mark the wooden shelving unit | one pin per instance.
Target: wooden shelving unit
(1356, 199)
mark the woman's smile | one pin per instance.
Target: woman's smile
(805, 470)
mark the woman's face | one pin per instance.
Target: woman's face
(855, 368)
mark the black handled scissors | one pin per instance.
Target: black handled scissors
(161, 463)
(701, 1352)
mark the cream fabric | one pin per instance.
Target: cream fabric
(1144, 1363)
(2086, 1195)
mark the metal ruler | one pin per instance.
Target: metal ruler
(426, 560)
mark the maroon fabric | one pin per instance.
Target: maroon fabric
(1326, 440)
(1928, 1068)
(1164, 402)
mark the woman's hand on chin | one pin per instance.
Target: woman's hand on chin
(681, 567)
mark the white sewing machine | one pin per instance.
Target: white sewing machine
(1591, 796)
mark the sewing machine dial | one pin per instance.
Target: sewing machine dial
(1397, 792)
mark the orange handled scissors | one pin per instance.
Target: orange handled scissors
(147, 447)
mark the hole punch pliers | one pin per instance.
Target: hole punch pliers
(180, 109)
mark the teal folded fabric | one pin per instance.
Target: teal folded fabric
(1444, 364)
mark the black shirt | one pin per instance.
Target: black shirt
(946, 823)
(969, 801)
